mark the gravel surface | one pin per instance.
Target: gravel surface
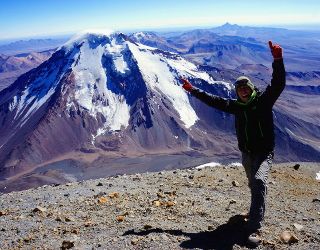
(178, 209)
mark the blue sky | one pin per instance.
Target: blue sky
(23, 18)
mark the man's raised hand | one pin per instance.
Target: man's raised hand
(276, 51)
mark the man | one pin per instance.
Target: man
(255, 132)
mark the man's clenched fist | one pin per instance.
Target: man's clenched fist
(186, 85)
(276, 51)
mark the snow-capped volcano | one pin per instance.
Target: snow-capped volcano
(100, 90)
(108, 62)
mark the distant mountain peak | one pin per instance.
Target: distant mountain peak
(227, 24)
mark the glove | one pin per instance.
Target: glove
(276, 51)
(187, 85)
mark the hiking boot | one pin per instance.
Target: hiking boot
(253, 240)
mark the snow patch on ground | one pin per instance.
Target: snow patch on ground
(209, 165)
(235, 164)
(318, 176)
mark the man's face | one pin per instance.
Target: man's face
(244, 92)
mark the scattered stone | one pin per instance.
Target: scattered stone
(66, 244)
(102, 200)
(114, 195)
(296, 167)
(120, 218)
(160, 195)
(269, 243)
(316, 200)
(69, 184)
(125, 214)
(39, 209)
(232, 201)
(134, 241)
(75, 231)
(3, 212)
(169, 204)
(235, 184)
(157, 203)
(99, 184)
(171, 193)
(68, 219)
(147, 227)
(28, 238)
(58, 218)
(88, 223)
(298, 226)
(288, 237)
(210, 228)
(100, 194)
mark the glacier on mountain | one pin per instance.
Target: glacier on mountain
(161, 72)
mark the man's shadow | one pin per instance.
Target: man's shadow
(223, 237)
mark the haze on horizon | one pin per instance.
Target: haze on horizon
(21, 19)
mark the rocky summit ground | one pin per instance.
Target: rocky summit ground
(179, 209)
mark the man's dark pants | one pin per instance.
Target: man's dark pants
(257, 167)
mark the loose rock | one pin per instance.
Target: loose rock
(134, 241)
(147, 227)
(298, 226)
(288, 237)
(169, 204)
(102, 200)
(39, 209)
(66, 244)
(114, 195)
(235, 184)
(296, 167)
(120, 218)
(157, 203)
(2, 213)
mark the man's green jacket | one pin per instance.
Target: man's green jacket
(254, 119)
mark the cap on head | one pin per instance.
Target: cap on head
(243, 80)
